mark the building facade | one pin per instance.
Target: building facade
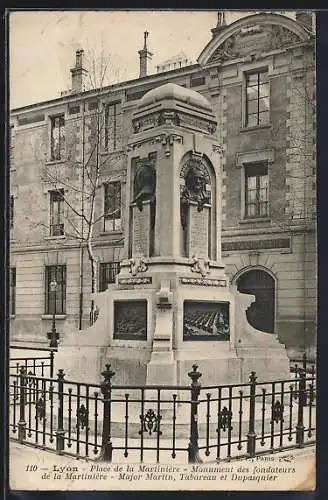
(68, 166)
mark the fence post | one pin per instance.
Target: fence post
(193, 451)
(60, 433)
(304, 362)
(301, 404)
(51, 363)
(251, 436)
(22, 400)
(106, 389)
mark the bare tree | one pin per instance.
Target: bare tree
(78, 179)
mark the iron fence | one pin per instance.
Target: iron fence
(149, 423)
(305, 363)
(41, 363)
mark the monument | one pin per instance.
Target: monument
(171, 304)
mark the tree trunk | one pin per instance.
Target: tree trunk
(93, 263)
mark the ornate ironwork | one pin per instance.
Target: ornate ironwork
(224, 419)
(311, 395)
(40, 408)
(57, 416)
(150, 422)
(277, 412)
(82, 416)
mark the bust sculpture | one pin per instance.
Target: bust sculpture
(144, 183)
(194, 190)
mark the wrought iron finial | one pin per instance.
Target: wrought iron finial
(107, 373)
(60, 374)
(194, 374)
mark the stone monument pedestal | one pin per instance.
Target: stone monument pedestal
(171, 305)
(166, 353)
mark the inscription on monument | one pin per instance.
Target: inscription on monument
(202, 282)
(141, 230)
(135, 281)
(206, 320)
(130, 319)
(198, 231)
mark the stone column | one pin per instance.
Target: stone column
(161, 368)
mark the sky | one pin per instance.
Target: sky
(42, 44)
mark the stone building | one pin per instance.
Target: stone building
(258, 73)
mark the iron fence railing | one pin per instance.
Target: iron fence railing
(305, 363)
(155, 423)
(38, 360)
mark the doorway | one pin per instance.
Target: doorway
(261, 313)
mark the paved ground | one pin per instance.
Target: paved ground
(19, 452)
(35, 469)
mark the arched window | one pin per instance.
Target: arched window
(261, 313)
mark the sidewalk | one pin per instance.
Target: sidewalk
(30, 454)
(35, 469)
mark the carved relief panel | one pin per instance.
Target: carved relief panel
(254, 39)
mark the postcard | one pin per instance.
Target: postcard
(163, 250)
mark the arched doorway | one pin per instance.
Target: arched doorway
(261, 284)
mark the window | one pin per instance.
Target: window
(93, 105)
(56, 212)
(257, 99)
(12, 291)
(107, 273)
(55, 299)
(197, 81)
(112, 206)
(11, 211)
(256, 190)
(110, 126)
(57, 137)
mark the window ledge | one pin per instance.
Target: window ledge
(201, 86)
(60, 237)
(111, 151)
(108, 233)
(50, 316)
(255, 219)
(256, 128)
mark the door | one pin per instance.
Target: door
(261, 313)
